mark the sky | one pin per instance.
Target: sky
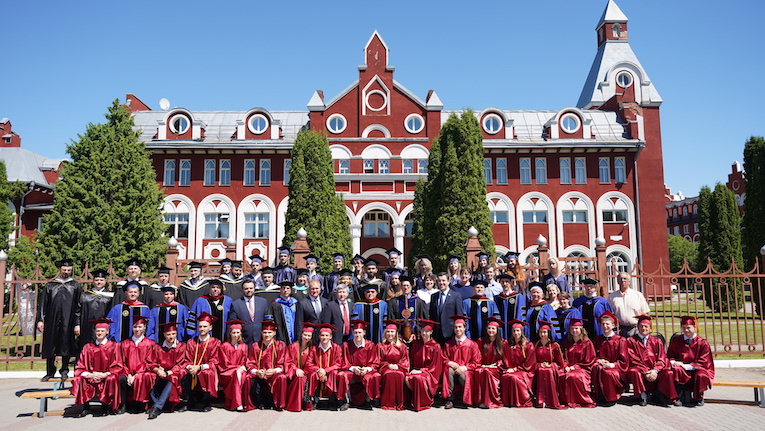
(63, 63)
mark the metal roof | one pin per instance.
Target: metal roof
(27, 166)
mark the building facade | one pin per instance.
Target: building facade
(572, 174)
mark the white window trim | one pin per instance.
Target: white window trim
(332, 117)
(164, 174)
(486, 119)
(409, 117)
(172, 124)
(251, 121)
(180, 172)
(214, 176)
(220, 172)
(260, 172)
(254, 173)
(575, 118)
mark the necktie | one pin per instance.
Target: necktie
(251, 309)
(316, 307)
(346, 323)
(688, 341)
(441, 301)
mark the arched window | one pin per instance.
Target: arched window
(265, 172)
(617, 30)
(406, 166)
(377, 224)
(525, 170)
(249, 172)
(225, 172)
(185, 178)
(344, 166)
(169, 172)
(209, 172)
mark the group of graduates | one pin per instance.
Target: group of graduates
(284, 339)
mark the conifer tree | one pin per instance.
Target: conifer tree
(106, 207)
(753, 224)
(313, 202)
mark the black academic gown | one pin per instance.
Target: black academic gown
(154, 295)
(59, 309)
(284, 321)
(119, 294)
(188, 292)
(94, 305)
(232, 288)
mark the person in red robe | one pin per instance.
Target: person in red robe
(168, 362)
(133, 372)
(427, 360)
(520, 360)
(609, 373)
(361, 356)
(324, 366)
(692, 366)
(267, 382)
(487, 375)
(462, 357)
(550, 365)
(232, 368)
(575, 383)
(97, 371)
(649, 369)
(394, 366)
(202, 367)
(298, 397)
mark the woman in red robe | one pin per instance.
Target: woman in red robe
(427, 360)
(394, 366)
(520, 360)
(232, 368)
(487, 376)
(550, 365)
(298, 397)
(579, 352)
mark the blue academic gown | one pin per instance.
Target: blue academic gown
(478, 308)
(591, 309)
(374, 313)
(204, 304)
(564, 321)
(284, 273)
(535, 313)
(510, 307)
(164, 313)
(122, 318)
(466, 292)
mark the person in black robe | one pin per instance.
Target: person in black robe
(193, 287)
(155, 293)
(133, 274)
(283, 271)
(394, 255)
(58, 318)
(95, 304)
(330, 280)
(232, 283)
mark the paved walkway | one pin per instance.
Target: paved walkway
(15, 415)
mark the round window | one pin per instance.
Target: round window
(624, 79)
(492, 123)
(570, 123)
(376, 100)
(336, 123)
(258, 124)
(414, 123)
(179, 124)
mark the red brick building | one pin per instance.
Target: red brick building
(571, 174)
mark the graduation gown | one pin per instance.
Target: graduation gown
(59, 309)
(119, 294)
(98, 358)
(189, 291)
(478, 308)
(154, 295)
(230, 361)
(164, 313)
(330, 282)
(122, 316)
(546, 378)
(365, 356)
(428, 358)
(516, 385)
(575, 384)
(646, 357)
(333, 362)
(204, 353)
(563, 321)
(510, 307)
(297, 387)
(535, 313)
(699, 355)
(132, 360)
(610, 382)
(467, 354)
(374, 313)
(172, 359)
(94, 305)
(416, 307)
(232, 287)
(392, 381)
(487, 376)
(218, 307)
(591, 309)
(265, 357)
(284, 273)
(284, 312)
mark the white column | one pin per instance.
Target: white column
(356, 239)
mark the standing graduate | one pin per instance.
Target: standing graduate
(538, 309)
(284, 309)
(194, 286)
(256, 263)
(96, 373)
(394, 257)
(132, 275)
(408, 307)
(215, 303)
(330, 280)
(167, 311)
(123, 315)
(565, 312)
(591, 306)
(373, 311)
(154, 294)
(511, 304)
(232, 284)
(479, 308)
(427, 362)
(283, 271)
(95, 303)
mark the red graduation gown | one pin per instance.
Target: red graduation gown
(263, 358)
(428, 358)
(333, 362)
(487, 377)
(205, 353)
(295, 360)
(699, 355)
(467, 354)
(644, 358)
(575, 384)
(610, 382)
(133, 361)
(367, 356)
(392, 381)
(98, 358)
(174, 360)
(546, 378)
(516, 385)
(230, 361)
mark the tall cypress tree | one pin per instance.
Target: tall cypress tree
(313, 202)
(106, 207)
(753, 224)
(454, 198)
(720, 241)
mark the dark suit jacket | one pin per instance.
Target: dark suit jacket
(452, 306)
(251, 328)
(304, 311)
(334, 316)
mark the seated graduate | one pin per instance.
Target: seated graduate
(550, 365)
(520, 360)
(579, 352)
(487, 376)
(123, 314)
(461, 358)
(298, 397)
(324, 367)
(692, 364)
(96, 373)
(136, 380)
(232, 368)
(363, 361)
(202, 355)
(168, 310)
(649, 369)
(394, 366)
(168, 362)
(609, 373)
(265, 363)
(427, 361)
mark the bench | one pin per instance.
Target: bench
(759, 391)
(44, 396)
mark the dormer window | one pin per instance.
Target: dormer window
(624, 79)
(492, 123)
(570, 123)
(179, 124)
(258, 124)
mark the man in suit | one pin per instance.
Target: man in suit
(443, 304)
(249, 309)
(311, 308)
(338, 314)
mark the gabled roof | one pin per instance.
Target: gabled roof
(28, 166)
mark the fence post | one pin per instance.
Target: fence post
(472, 248)
(300, 248)
(3, 260)
(544, 253)
(601, 266)
(231, 248)
(172, 260)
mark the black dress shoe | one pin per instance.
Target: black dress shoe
(700, 402)
(121, 410)
(643, 399)
(46, 377)
(85, 411)
(206, 409)
(344, 407)
(449, 405)
(182, 408)
(154, 412)
(64, 375)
